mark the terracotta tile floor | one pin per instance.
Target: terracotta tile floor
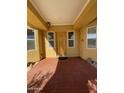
(67, 76)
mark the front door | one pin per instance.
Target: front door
(61, 44)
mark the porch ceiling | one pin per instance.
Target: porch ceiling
(60, 12)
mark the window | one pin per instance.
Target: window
(71, 39)
(51, 42)
(91, 37)
(30, 39)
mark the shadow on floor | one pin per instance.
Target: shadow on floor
(71, 76)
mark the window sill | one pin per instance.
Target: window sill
(31, 50)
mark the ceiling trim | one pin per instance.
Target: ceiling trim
(61, 28)
(81, 11)
(31, 7)
(61, 24)
(92, 21)
(77, 17)
(38, 10)
(78, 20)
(89, 14)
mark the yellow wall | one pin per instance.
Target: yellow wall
(41, 44)
(49, 52)
(85, 52)
(38, 53)
(89, 14)
(70, 52)
(34, 19)
(34, 55)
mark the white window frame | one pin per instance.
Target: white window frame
(87, 37)
(70, 39)
(52, 39)
(34, 30)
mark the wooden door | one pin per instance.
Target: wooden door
(61, 44)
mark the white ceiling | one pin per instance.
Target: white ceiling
(60, 12)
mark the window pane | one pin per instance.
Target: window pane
(71, 43)
(51, 43)
(30, 34)
(91, 43)
(71, 35)
(91, 37)
(50, 35)
(30, 44)
(30, 39)
(92, 30)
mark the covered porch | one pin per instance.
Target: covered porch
(66, 29)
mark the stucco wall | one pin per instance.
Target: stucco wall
(41, 44)
(70, 52)
(74, 52)
(34, 55)
(49, 52)
(84, 51)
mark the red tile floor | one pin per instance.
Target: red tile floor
(61, 76)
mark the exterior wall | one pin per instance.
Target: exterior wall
(34, 19)
(41, 44)
(86, 52)
(49, 52)
(88, 14)
(34, 55)
(70, 52)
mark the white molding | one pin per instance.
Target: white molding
(45, 19)
(87, 37)
(61, 24)
(37, 9)
(87, 2)
(70, 39)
